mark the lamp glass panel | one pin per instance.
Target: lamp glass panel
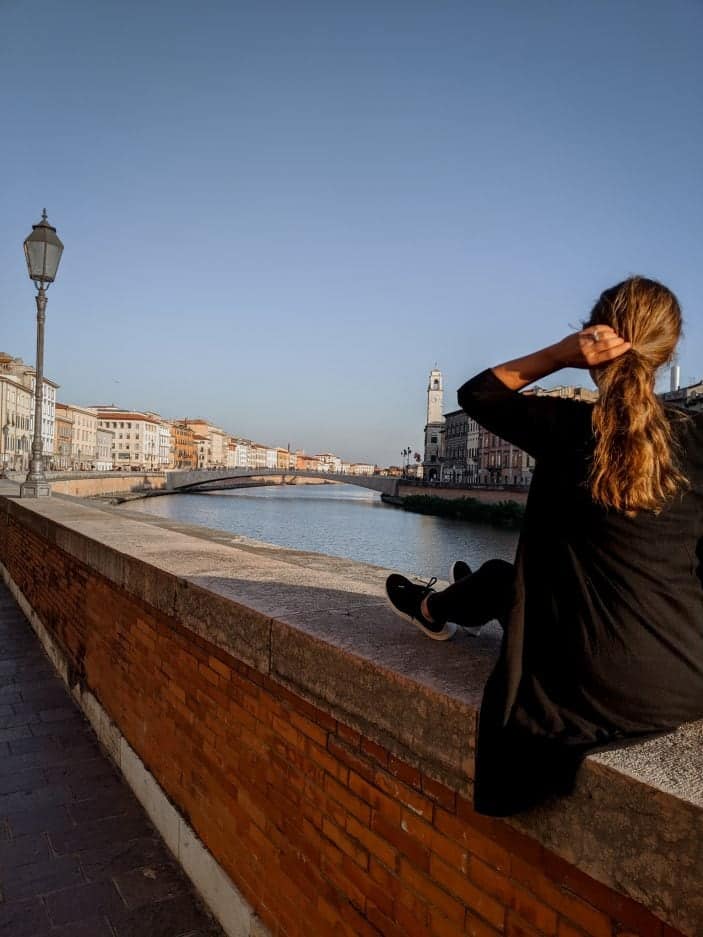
(42, 259)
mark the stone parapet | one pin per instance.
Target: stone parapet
(322, 752)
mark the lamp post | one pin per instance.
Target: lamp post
(42, 250)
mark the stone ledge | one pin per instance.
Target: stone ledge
(320, 626)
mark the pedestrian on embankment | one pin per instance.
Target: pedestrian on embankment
(602, 610)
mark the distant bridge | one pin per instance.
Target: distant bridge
(217, 479)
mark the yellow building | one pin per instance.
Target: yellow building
(184, 448)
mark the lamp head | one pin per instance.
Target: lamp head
(42, 251)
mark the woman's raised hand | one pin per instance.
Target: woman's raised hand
(591, 347)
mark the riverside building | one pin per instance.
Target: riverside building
(17, 384)
(105, 440)
(136, 444)
(214, 453)
(456, 444)
(184, 449)
(329, 462)
(62, 460)
(458, 450)
(84, 440)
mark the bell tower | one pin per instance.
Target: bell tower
(435, 395)
(434, 428)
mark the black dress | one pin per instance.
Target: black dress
(604, 640)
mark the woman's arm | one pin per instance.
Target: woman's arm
(589, 348)
(534, 423)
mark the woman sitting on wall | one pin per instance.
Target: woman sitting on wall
(602, 612)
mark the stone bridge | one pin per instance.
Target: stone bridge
(211, 479)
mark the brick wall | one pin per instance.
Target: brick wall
(322, 830)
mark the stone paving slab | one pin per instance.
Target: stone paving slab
(78, 855)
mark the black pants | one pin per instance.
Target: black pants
(478, 598)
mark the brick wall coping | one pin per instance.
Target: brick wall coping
(319, 626)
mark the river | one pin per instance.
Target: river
(340, 520)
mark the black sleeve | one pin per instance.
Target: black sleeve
(538, 425)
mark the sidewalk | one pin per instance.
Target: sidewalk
(78, 855)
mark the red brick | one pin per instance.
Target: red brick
(313, 713)
(381, 874)
(350, 736)
(439, 793)
(374, 751)
(289, 733)
(471, 896)
(336, 874)
(349, 757)
(407, 773)
(533, 911)
(380, 848)
(383, 923)
(360, 926)
(476, 843)
(404, 794)
(417, 828)
(326, 761)
(311, 729)
(349, 801)
(380, 897)
(435, 897)
(517, 927)
(382, 804)
(594, 922)
(209, 674)
(347, 845)
(406, 844)
(219, 667)
(564, 929)
(476, 927)
(626, 912)
(175, 689)
(490, 881)
(450, 851)
(413, 916)
(441, 926)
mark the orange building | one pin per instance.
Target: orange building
(184, 447)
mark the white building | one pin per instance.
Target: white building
(329, 462)
(361, 468)
(17, 382)
(271, 458)
(243, 455)
(258, 455)
(105, 439)
(137, 439)
(163, 458)
(231, 454)
(203, 444)
(84, 438)
(214, 453)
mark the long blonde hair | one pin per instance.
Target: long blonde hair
(634, 465)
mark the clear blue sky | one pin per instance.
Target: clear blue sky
(280, 215)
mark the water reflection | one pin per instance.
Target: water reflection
(340, 520)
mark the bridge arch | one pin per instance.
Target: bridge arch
(192, 480)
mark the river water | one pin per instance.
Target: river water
(340, 520)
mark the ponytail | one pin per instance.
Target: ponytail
(634, 466)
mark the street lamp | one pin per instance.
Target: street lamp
(42, 250)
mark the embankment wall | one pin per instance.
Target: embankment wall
(309, 759)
